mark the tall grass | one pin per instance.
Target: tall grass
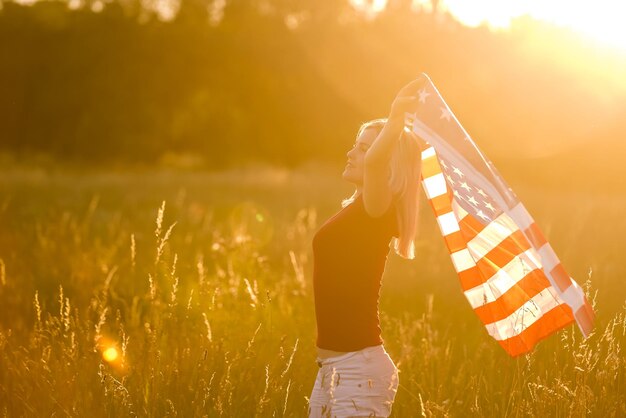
(166, 294)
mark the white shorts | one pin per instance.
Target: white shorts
(359, 383)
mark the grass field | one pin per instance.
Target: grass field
(164, 293)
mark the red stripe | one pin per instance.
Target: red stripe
(560, 277)
(535, 235)
(430, 167)
(455, 241)
(549, 323)
(470, 278)
(503, 253)
(470, 227)
(441, 204)
(584, 316)
(529, 286)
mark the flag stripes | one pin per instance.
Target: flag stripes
(508, 271)
(550, 322)
(501, 267)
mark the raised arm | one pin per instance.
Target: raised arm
(377, 195)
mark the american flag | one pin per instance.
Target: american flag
(509, 273)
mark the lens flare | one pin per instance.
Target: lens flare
(249, 219)
(110, 354)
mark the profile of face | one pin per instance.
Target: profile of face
(356, 156)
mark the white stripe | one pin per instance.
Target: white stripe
(504, 279)
(448, 223)
(574, 296)
(548, 258)
(492, 235)
(521, 216)
(435, 185)
(428, 152)
(525, 316)
(462, 260)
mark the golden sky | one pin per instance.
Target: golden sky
(600, 20)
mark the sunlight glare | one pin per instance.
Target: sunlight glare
(600, 20)
(370, 7)
(496, 14)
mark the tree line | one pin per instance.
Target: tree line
(279, 81)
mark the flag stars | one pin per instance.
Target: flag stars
(482, 215)
(445, 114)
(481, 192)
(457, 194)
(443, 164)
(452, 182)
(423, 95)
(457, 172)
(490, 207)
(472, 200)
(465, 186)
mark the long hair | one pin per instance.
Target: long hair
(404, 177)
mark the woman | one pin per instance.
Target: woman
(357, 378)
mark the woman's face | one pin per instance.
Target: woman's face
(356, 156)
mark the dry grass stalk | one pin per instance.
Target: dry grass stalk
(209, 334)
(133, 251)
(3, 273)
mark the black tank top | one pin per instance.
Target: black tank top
(350, 251)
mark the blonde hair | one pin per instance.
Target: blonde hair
(404, 177)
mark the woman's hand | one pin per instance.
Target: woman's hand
(406, 100)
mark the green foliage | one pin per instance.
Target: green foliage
(287, 82)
